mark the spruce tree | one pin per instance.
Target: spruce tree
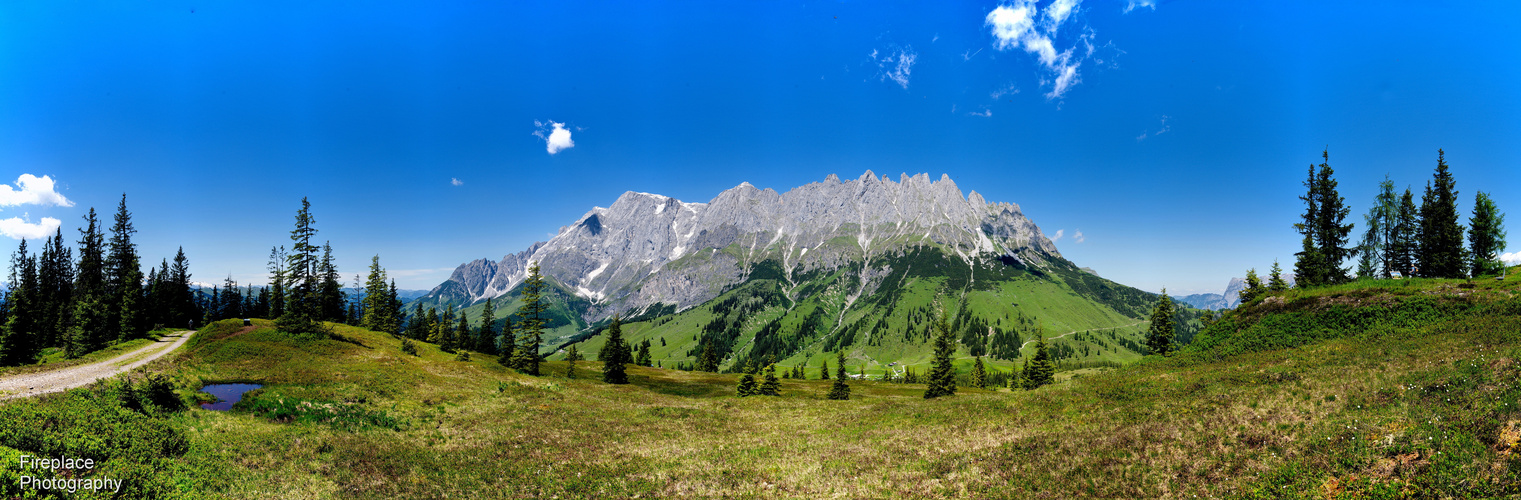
(433, 335)
(942, 381)
(746, 385)
(613, 349)
(1441, 252)
(770, 386)
(1022, 379)
(531, 322)
(1307, 262)
(840, 390)
(571, 357)
(277, 280)
(330, 294)
(1486, 236)
(417, 323)
(92, 322)
(303, 309)
(55, 292)
(20, 343)
(1331, 235)
(644, 354)
(824, 368)
(378, 314)
(507, 346)
(124, 278)
(1253, 287)
(1407, 242)
(1159, 335)
(485, 338)
(1042, 371)
(979, 374)
(461, 337)
(708, 358)
(181, 296)
(1276, 283)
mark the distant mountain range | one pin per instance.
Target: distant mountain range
(1229, 300)
(861, 264)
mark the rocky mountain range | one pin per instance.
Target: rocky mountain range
(1228, 300)
(648, 249)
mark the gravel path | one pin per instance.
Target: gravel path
(33, 384)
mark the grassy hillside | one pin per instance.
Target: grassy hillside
(1389, 390)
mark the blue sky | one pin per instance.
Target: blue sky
(1172, 135)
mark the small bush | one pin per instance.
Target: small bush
(408, 347)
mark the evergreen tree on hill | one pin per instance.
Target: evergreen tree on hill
(979, 374)
(531, 322)
(746, 385)
(1307, 263)
(181, 297)
(277, 279)
(1160, 334)
(613, 353)
(19, 342)
(571, 357)
(1407, 242)
(1486, 236)
(942, 377)
(417, 323)
(303, 308)
(1325, 236)
(330, 288)
(1441, 252)
(55, 282)
(508, 344)
(1386, 216)
(840, 390)
(770, 386)
(379, 314)
(92, 323)
(485, 338)
(644, 354)
(1276, 283)
(707, 359)
(124, 278)
(1042, 370)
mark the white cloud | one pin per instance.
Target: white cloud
(1077, 236)
(897, 66)
(1057, 237)
(1511, 259)
(408, 273)
(1136, 4)
(1021, 25)
(1164, 128)
(34, 190)
(968, 55)
(1009, 89)
(985, 113)
(556, 136)
(456, 181)
(20, 229)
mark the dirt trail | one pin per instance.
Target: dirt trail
(33, 384)
(1028, 342)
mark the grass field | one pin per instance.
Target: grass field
(1407, 395)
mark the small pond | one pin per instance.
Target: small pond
(227, 395)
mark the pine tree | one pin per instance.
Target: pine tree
(979, 374)
(770, 386)
(303, 308)
(614, 349)
(1159, 336)
(1276, 283)
(378, 314)
(840, 390)
(707, 360)
(1042, 371)
(1253, 287)
(746, 385)
(277, 280)
(124, 278)
(1407, 242)
(571, 357)
(433, 334)
(330, 289)
(531, 321)
(1486, 236)
(92, 323)
(485, 338)
(644, 354)
(55, 290)
(507, 345)
(1441, 253)
(1331, 234)
(1022, 379)
(942, 380)
(1307, 263)
(461, 336)
(20, 343)
(417, 324)
(181, 296)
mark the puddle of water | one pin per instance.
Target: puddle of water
(227, 395)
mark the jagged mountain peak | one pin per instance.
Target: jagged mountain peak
(649, 248)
